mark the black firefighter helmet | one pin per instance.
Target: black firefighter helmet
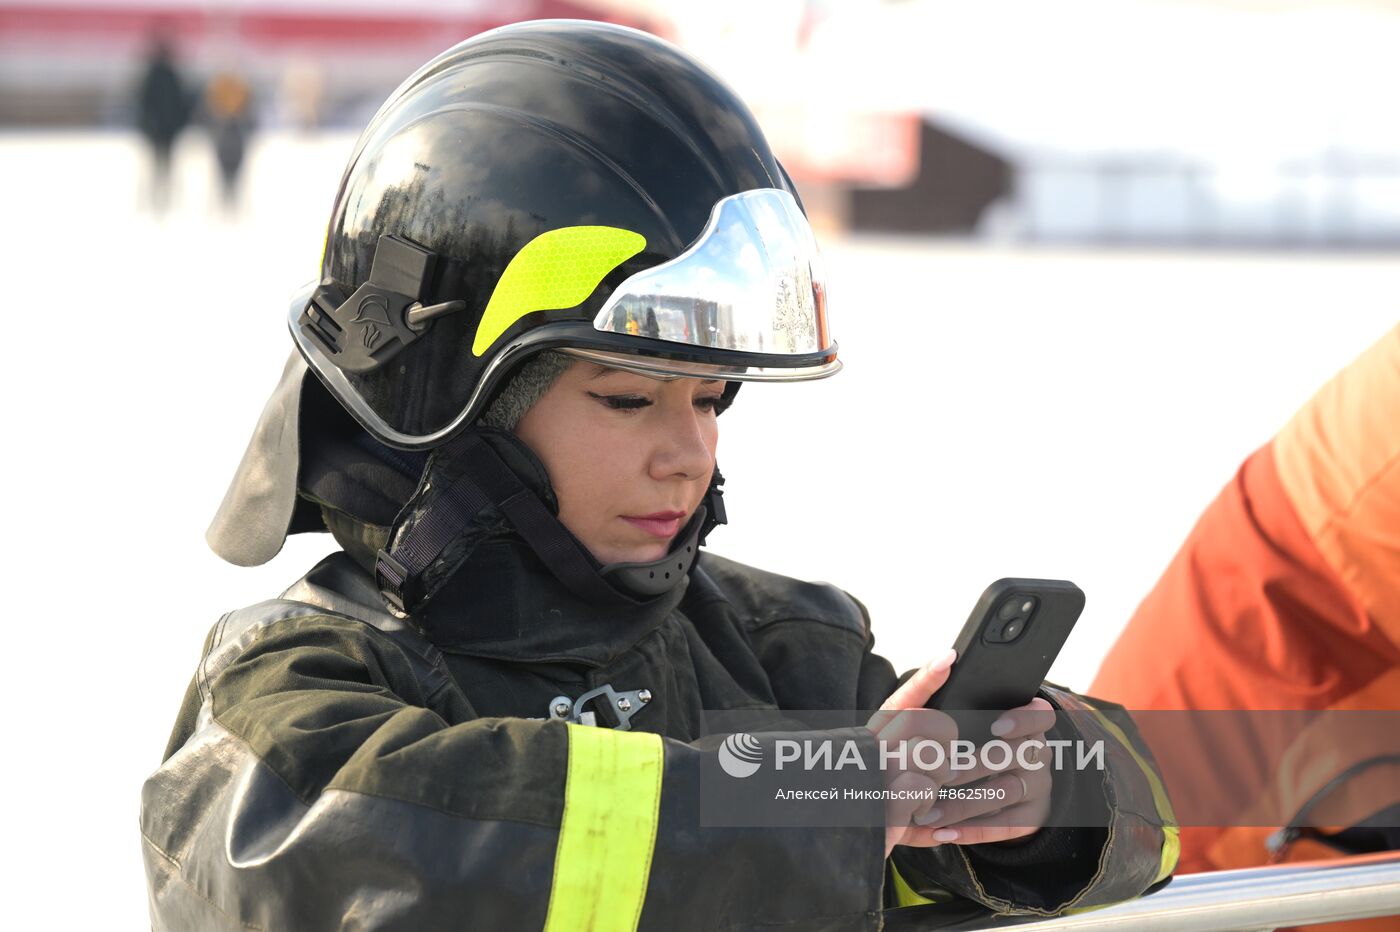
(561, 185)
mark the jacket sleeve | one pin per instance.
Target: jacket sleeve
(319, 779)
(1133, 850)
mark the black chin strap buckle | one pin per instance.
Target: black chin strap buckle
(385, 314)
(715, 514)
(393, 579)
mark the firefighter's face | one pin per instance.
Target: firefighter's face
(630, 457)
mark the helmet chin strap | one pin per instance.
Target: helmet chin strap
(470, 475)
(662, 575)
(658, 576)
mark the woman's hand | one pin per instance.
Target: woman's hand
(891, 728)
(1017, 800)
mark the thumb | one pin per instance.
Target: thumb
(926, 681)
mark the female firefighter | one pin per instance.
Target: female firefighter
(557, 251)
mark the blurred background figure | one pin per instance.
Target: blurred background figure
(163, 107)
(229, 112)
(302, 89)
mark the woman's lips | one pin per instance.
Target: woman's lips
(662, 524)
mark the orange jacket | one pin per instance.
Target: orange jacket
(1286, 594)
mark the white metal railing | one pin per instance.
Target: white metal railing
(1256, 898)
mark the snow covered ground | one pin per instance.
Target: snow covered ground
(1003, 412)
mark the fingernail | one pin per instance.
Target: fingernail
(1002, 726)
(941, 663)
(929, 817)
(946, 834)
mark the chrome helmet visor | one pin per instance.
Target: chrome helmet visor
(752, 283)
(746, 301)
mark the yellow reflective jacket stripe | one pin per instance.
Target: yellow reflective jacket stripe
(612, 802)
(1171, 834)
(905, 895)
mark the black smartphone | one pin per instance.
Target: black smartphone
(1005, 650)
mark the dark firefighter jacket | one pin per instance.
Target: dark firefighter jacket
(335, 767)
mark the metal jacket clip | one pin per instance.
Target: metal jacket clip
(614, 705)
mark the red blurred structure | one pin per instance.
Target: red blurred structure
(68, 62)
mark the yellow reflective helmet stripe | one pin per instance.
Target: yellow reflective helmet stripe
(557, 269)
(612, 803)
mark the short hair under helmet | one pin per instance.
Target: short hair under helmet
(557, 185)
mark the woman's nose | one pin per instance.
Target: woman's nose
(685, 450)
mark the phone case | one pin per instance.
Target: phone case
(992, 675)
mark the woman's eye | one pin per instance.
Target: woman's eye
(713, 403)
(622, 402)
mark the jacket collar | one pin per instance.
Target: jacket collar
(491, 594)
(504, 603)
(500, 606)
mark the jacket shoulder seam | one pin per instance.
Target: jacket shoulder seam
(202, 673)
(755, 624)
(305, 612)
(158, 849)
(179, 875)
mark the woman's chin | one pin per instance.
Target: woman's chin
(642, 553)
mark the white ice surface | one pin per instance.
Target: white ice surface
(1003, 412)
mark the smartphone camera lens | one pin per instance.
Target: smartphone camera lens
(1011, 619)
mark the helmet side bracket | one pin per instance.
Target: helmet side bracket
(382, 316)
